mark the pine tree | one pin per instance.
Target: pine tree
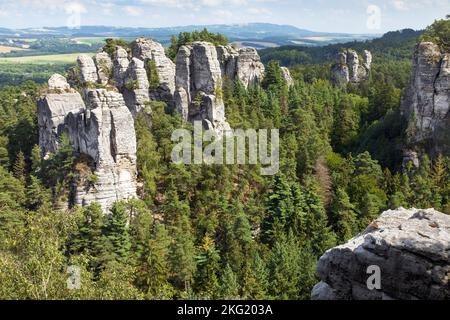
(255, 279)
(344, 216)
(206, 280)
(153, 75)
(284, 269)
(318, 231)
(229, 286)
(116, 232)
(20, 167)
(36, 160)
(280, 207)
(154, 273)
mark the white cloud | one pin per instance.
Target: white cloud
(133, 11)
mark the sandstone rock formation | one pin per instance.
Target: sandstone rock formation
(199, 86)
(147, 50)
(349, 68)
(201, 70)
(100, 122)
(101, 132)
(426, 102)
(58, 82)
(411, 248)
(104, 67)
(88, 69)
(287, 76)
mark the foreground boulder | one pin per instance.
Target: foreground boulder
(411, 248)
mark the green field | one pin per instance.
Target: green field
(46, 59)
(89, 40)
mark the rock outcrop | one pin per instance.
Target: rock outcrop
(100, 129)
(426, 102)
(148, 50)
(112, 90)
(287, 76)
(411, 248)
(199, 85)
(350, 69)
(201, 70)
(88, 69)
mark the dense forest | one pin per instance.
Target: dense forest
(210, 231)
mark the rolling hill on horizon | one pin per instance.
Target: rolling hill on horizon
(260, 35)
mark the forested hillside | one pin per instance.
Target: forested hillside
(219, 231)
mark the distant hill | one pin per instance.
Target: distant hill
(260, 35)
(395, 45)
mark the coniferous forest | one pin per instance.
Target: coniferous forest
(220, 231)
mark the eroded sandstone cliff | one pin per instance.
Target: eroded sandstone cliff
(111, 90)
(100, 129)
(411, 249)
(350, 69)
(426, 102)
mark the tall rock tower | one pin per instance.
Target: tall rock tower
(426, 102)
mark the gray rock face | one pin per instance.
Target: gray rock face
(411, 248)
(199, 85)
(201, 70)
(88, 70)
(287, 76)
(249, 68)
(58, 82)
(228, 61)
(146, 50)
(104, 67)
(426, 102)
(349, 68)
(136, 88)
(120, 67)
(52, 112)
(101, 131)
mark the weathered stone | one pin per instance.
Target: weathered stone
(58, 82)
(88, 70)
(411, 248)
(206, 75)
(349, 68)
(120, 67)
(136, 88)
(199, 86)
(426, 102)
(287, 76)
(52, 111)
(182, 103)
(104, 67)
(250, 70)
(146, 50)
(228, 61)
(101, 132)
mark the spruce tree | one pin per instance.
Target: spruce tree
(20, 167)
(116, 231)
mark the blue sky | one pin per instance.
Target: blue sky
(350, 16)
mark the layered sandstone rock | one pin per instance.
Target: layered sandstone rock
(411, 248)
(199, 80)
(426, 102)
(287, 76)
(101, 132)
(350, 69)
(148, 50)
(88, 69)
(104, 67)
